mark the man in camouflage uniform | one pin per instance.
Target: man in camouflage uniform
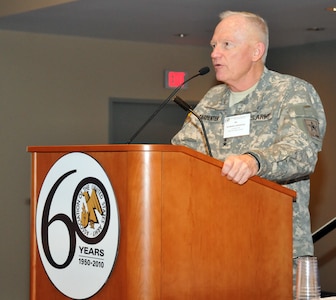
(259, 122)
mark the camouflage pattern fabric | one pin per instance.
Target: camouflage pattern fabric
(287, 126)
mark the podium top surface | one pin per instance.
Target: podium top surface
(150, 148)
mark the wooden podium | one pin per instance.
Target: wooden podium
(186, 232)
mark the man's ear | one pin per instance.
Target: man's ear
(259, 50)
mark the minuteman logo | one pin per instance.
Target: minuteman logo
(91, 210)
(77, 225)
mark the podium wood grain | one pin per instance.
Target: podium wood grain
(186, 232)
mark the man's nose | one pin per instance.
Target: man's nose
(214, 52)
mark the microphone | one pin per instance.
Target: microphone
(187, 107)
(203, 71)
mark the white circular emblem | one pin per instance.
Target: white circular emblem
(77, 225)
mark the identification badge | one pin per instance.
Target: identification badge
(237, 125)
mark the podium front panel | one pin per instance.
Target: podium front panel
(186, 232)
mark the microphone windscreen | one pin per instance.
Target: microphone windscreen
(204, 70)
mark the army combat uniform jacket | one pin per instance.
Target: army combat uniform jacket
(281, 122)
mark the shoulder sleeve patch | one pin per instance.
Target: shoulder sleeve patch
(312, 128)
(307, 120)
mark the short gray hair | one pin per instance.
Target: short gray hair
(259, 23)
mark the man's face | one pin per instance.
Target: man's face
(233, 50)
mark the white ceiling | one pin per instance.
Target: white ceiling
(159, 21)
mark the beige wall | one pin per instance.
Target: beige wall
(55, 90)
